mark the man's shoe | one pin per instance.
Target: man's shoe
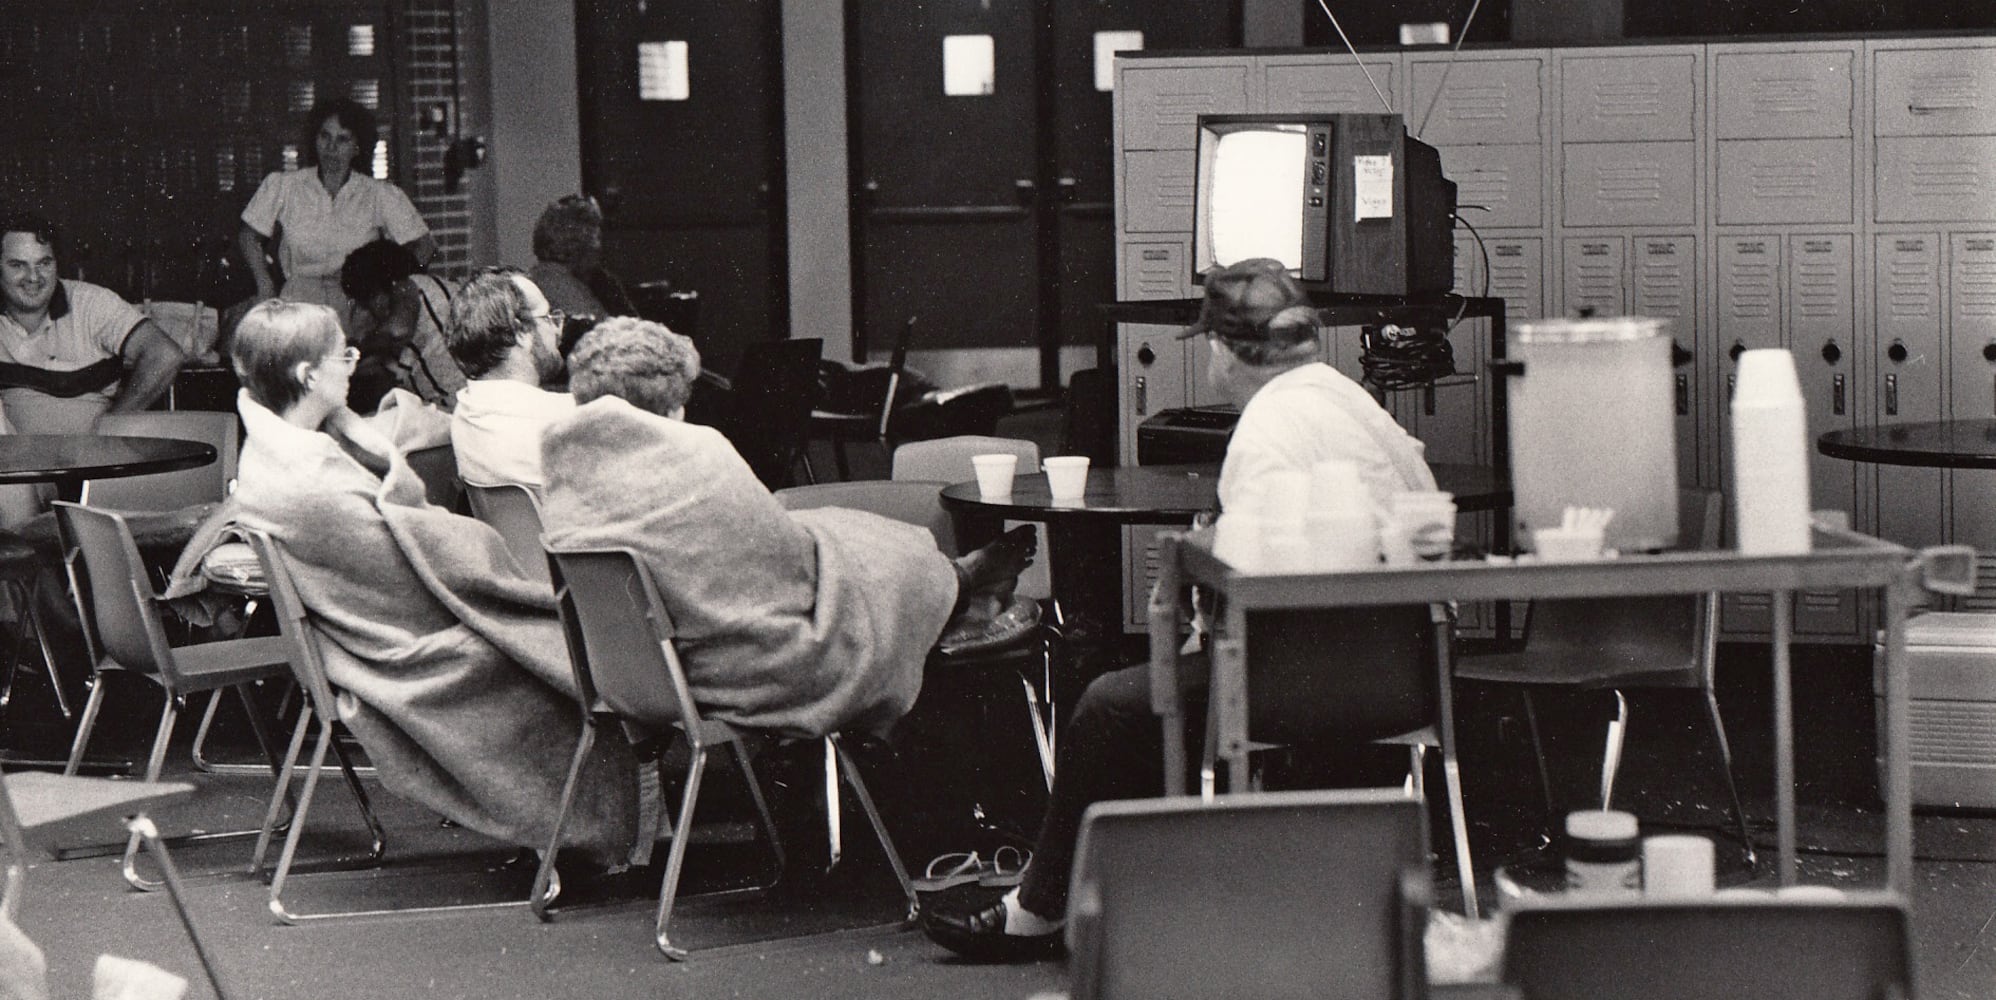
(979, 935)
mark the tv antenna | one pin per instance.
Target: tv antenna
(1446, 65)
(1339, 28)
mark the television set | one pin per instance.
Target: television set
(1349, 203)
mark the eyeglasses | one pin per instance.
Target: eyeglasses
(351, 356)
(555, 316)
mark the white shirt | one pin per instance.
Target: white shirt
(496, 430)
(1314, 413)
(318, 230)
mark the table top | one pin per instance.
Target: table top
(46, 458)
(1944, 444)
(1173, 494)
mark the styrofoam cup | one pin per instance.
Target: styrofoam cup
(1567, 544)
(994, 473)
(1678, 866)
(1067, 476)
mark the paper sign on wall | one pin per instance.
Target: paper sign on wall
(1373, 187)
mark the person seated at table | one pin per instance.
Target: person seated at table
(504, 336)
(451, 659)
(801, 623)
(400, 313)
(568, 260)
(1296, 411)
(70, 350)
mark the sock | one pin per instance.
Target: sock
(1022, 922)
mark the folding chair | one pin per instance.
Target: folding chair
(122, 633)
(36, 801)
(1319, 895)
(621, 642)
(512, 511)
(301, 642)
(1768, 948)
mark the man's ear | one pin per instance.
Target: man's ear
(302, 373)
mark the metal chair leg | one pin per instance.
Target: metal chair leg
(154, 762)
(546, 884)
(142, 828)
(31, 617)
(858, 784)
(1416, 785)
(84, 726)
(1041, 740)
(1539, 753)
(675, 856)
(1611, 750)
(1726, 764)
(834, 818)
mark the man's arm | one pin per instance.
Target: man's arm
(151, 360)
(254, 250)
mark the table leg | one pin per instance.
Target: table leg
(1784, 741)
(1896, 736)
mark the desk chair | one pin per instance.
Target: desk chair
(1768, 948)
(840, 428)
(1319, 895)
(947, 460)
(436, 466)
(301, 642)
(34, 802)
(769, 418)
(123, 634)
(621, 642)
(1624, 642)
(513, 511)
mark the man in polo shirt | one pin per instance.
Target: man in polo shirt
(70, 350)
(504, 336)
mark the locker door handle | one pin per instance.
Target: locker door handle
(1837, 395)
(1891, 395)
(1428, 401)
(1683, 395)
(1142, 386)
(1732, 382)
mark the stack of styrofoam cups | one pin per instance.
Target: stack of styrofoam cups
(1420, 524)
(1770, 455)
(1341, 527)
(1678, 866)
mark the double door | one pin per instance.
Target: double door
(983, 186)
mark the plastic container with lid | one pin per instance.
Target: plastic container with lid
(1592, 424)
(1603, 853)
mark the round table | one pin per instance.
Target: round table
(1940, 444)
(68, 459)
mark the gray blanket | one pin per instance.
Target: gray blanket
(449, 659)
(800, 623)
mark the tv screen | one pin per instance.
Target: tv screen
(1255, 197)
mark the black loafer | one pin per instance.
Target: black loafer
(979, 935)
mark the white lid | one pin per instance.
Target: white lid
(1601, 824)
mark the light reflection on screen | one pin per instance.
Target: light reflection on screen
(1257, 196)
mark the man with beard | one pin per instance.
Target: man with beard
(504, 337)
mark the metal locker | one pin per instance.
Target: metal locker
(1593, 276)
(1782, 95)
(1971, 312)
(1317, 88)
(1158, 191)
(1483, 101)
(1158, 107)
(1748, 317)
(1666, 287)
(1627, 98)
(1936, 178)
(1497, 187)
(1907, 301)
(1784, 180)
(1822, 315)
(1139, 573)
(1151, 360)
(1629, 184)
(1949, 91)
(1156, 271)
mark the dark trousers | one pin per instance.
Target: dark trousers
(1113, 748)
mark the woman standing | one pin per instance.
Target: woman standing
(312, 217)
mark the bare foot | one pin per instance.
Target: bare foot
(985, 577)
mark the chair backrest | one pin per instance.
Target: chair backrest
(1768, 949)
(181, 487)
(947, 460)
(1316, 894)
(1345, 674)
(909, 501)
(437, 467)
(769, 421)
(620, 638)
(294, 624)
(1669, 640)
(114, 597)
(512, 511)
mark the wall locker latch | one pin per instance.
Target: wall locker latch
(1891, 395)
(1140, 390)
(1837, 395)
(1683, 395)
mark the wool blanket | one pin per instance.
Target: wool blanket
(801, 623)
(449, 659)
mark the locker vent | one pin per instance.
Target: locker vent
(1781, 95)
(1793, 179)
(1936, 91)
(1639, 99)
(1818, 293)
(1484, 103)
(1944, 178)
(1750, 294)
(1629, 182)
(1953, 732)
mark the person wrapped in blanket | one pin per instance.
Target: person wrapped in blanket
(449, 658)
